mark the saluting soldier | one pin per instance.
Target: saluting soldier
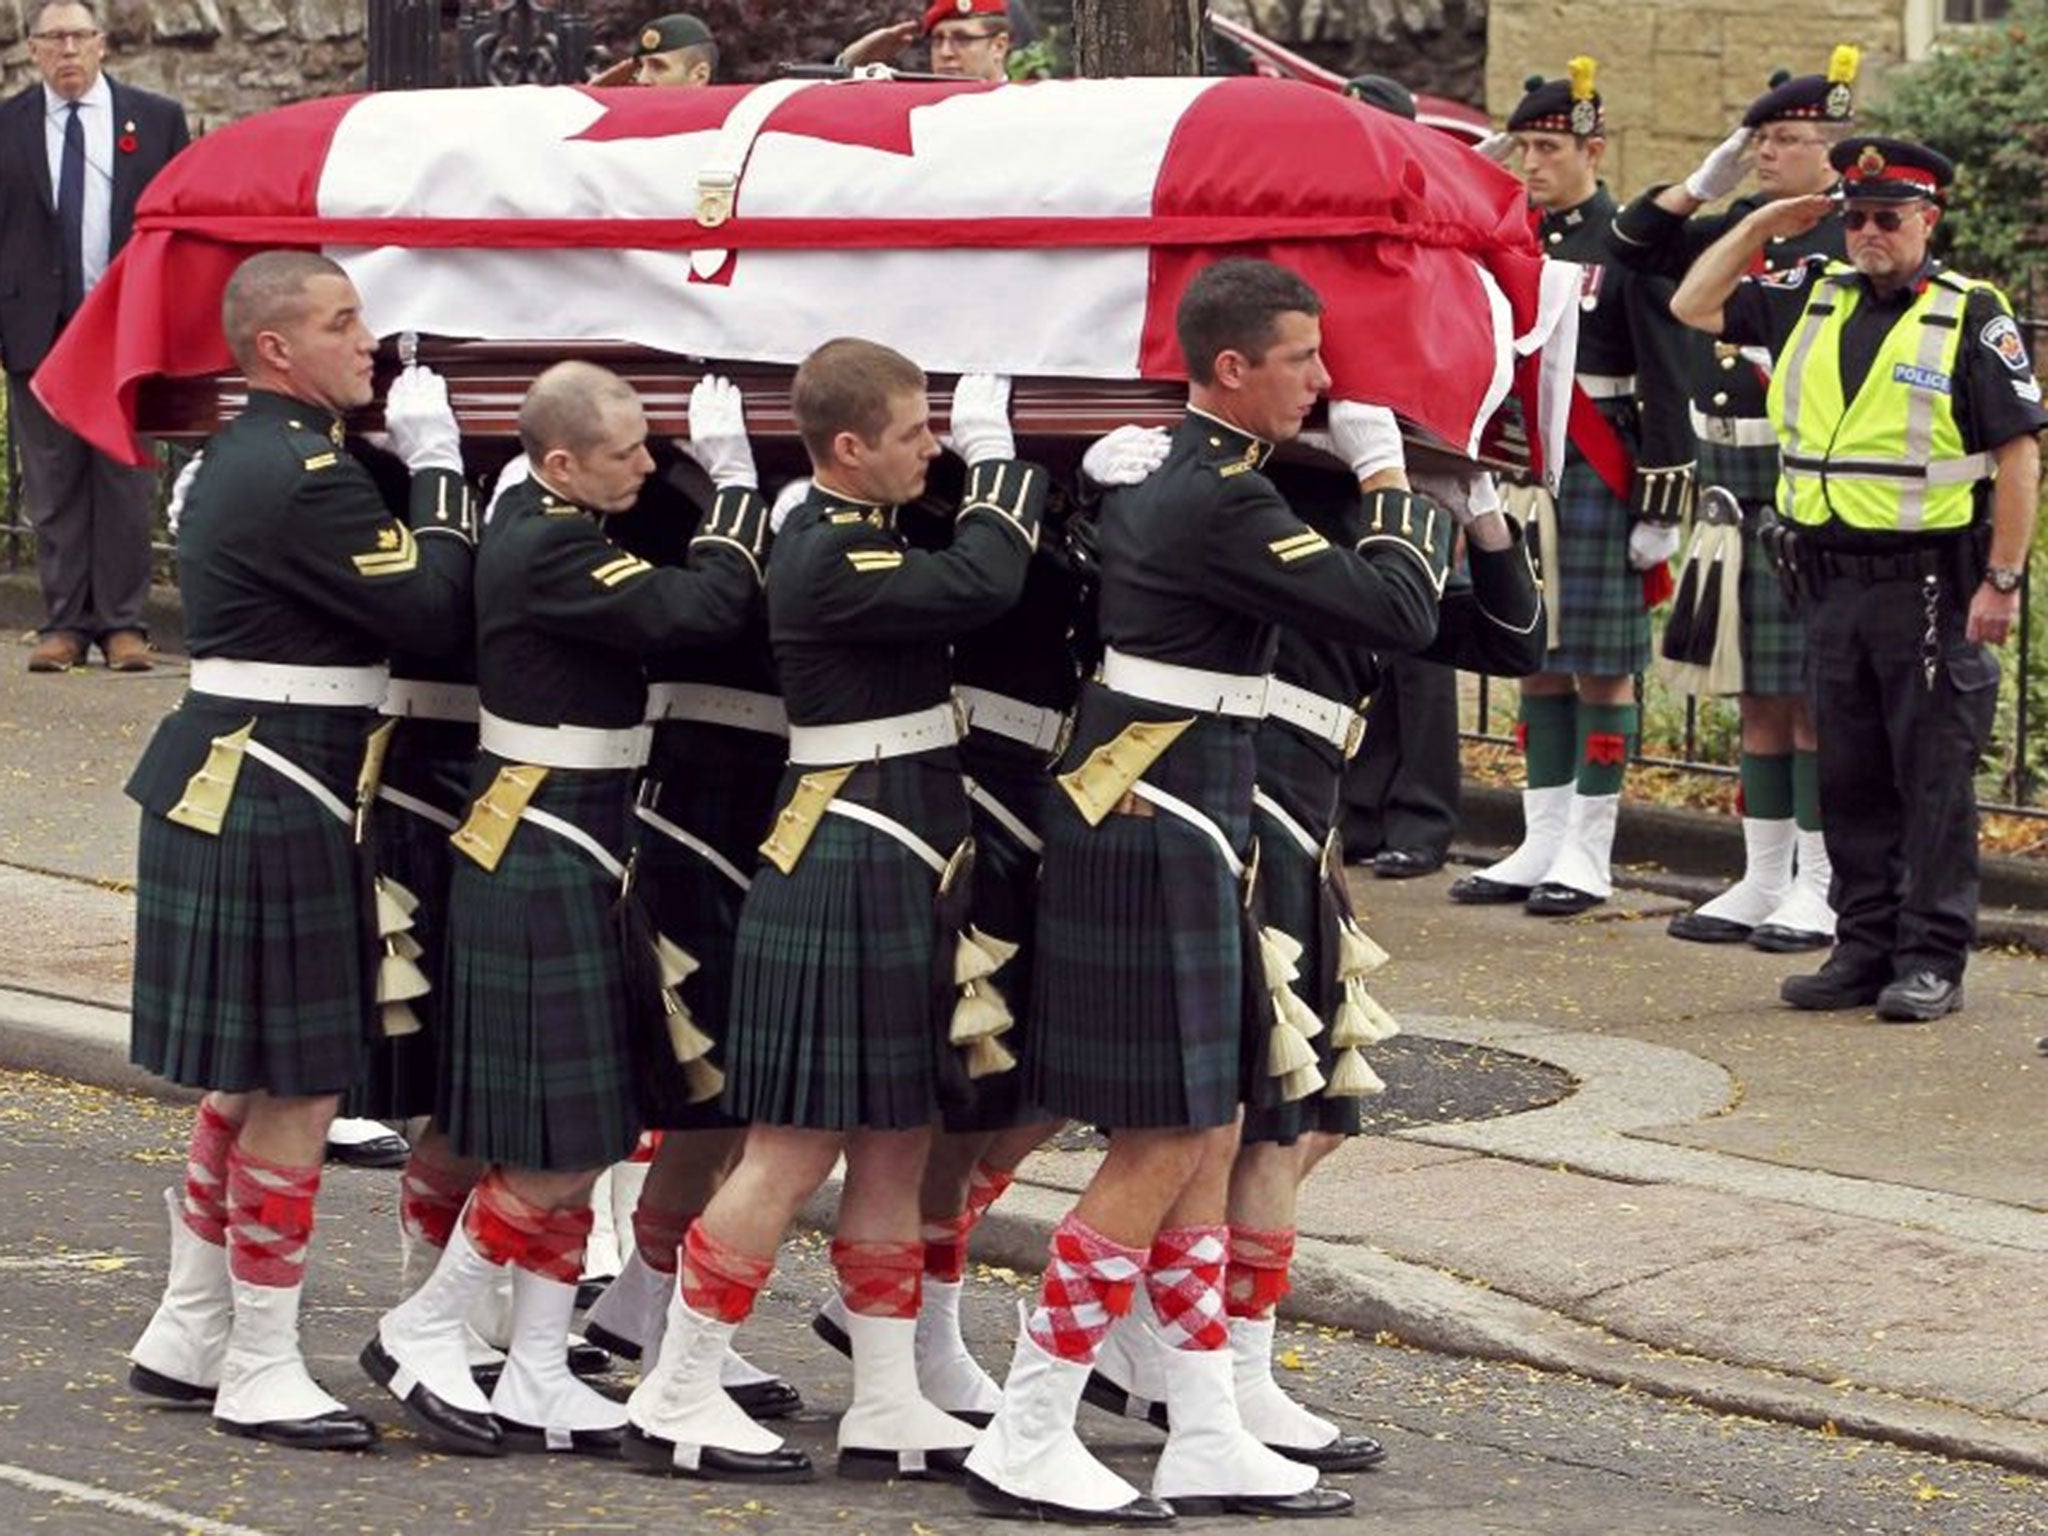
(1781, 901)
(675, 50)
(256, 951)
(551, 1017)
(1151, 1004)
(844, 986)
(1627, 485)
(1908, 417)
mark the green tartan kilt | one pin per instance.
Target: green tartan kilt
(1005, 893)
(546, 1021)
(718, 784)
(839, 1017)
(430, 760)
(253, 948)
(1602, 628)
(1139, 1009)
(1773, 638)
(1294, 896)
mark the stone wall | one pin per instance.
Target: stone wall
(1437, 46)
(1675, 75)
(222, 58)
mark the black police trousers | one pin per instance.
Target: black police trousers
(1902, 704)
(1401, 791)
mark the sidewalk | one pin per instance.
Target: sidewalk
(1809, 1218)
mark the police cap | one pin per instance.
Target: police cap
(1890, 170)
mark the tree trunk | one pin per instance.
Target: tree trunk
(1137, 37)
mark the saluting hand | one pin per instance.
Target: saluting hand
(1788, 216)
(1727, 163)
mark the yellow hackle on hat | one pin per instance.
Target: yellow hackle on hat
(1582, 70)
(1842, 64)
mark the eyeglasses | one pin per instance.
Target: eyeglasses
(1890, 220)
(942, 40)
(76, 38)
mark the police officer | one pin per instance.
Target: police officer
(1627, 483)
(1907, 412)
(1788, 131)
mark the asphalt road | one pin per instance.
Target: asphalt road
(1477, 1449)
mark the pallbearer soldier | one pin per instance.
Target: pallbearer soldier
(846, 959)
(1152, 995)
(1788, 130)
(551, 1016)
(1627, 484)
(256, 948)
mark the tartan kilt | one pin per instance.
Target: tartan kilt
(545, 1021)
(718, 784)
(1139, 1013)
(253, 948)
(1603, 630)
(1301, 897)
(430, 760)
(839, 1019)
(1005, 891)
(1773, 639)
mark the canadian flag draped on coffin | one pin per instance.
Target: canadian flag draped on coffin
(1045, 230)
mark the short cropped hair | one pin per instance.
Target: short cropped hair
(1235, 306)
(267, 292)
(565, 408)
(35, 18)
(848, 385)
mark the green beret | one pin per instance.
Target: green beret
(665, 34)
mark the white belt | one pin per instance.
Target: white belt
(1178, 687)
(1005, 818)
(569, 831)
(889, 826)
(1288, 824)
(1001, 715)
(277, 762)
(1734, 431)
(1195, 817)
(271, 682)
(417, 699)
(426, 810)
(1323, 719)
(1607, 386)
(713, 705)
(860, 741)
(562, 746)
(695, 844)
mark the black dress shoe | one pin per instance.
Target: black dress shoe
(1346, 1453)
(600, 1337)
(1320, 1500)
(775, 1399)
(1553, 900)
(529, 1439)
(1836, 985)
(948, 1465)
(460, 1431)
(338, 1431)
(378, 1152)
(991, 1500)
(1400, 864)
(1479, 891)
(588, 1359)
(1920, 998)
(650, 1453)
(169, 1388)
(1101, 1392)
(832, 1334)
(590, 1288)
(1697, 928)
(1777, 939)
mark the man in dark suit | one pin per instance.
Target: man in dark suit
(76, 150)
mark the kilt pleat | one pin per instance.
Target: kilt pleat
(542, 1024)
(1603, 630)
(250, 945)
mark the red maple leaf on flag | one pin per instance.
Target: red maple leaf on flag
(871, 115)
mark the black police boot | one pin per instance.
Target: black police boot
(1920, 998)
(1840, 983)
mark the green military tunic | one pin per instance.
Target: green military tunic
(254, 964)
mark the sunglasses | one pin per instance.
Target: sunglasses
(1890, 220)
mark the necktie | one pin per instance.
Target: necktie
(71, 208)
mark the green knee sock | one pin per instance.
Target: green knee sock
(1607, 738)
(1549, 738)
(1806, 790)
(1768, 789)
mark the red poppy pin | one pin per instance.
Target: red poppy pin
(126, 143)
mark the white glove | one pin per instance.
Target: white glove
(718, 434)
(1126, 456)
(1467, 497)
(1497, 147)
(421, 423)
(980, 415)
(787, 500)
(180, 489)
(515, 472)
(1366, 437)
(1651, 544)
(1723, 170)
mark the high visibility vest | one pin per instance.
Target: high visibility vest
(1892, 458)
